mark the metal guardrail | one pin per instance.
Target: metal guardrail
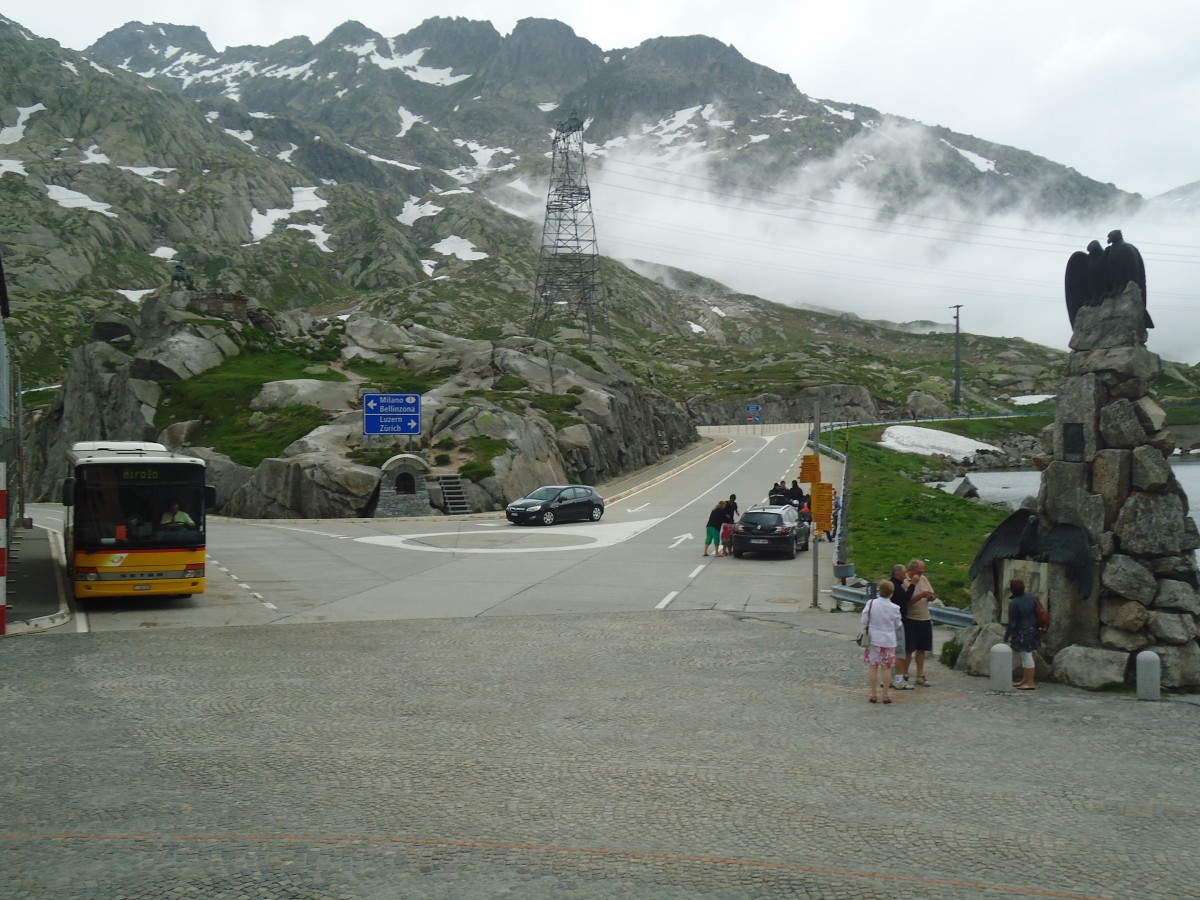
(943, 615)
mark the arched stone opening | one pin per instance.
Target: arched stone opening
(405, 492)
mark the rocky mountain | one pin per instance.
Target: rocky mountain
(385, 178)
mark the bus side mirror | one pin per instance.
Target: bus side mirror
(210, 496)
(68, 492)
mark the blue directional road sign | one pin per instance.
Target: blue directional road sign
(391, 413)
(753, 407)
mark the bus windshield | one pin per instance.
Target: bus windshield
(142, 504)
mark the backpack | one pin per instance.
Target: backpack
(1039, 612)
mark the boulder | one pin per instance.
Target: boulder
(1090, 667)
(1151, 525)
(1119, 639)
(1120, 425)
(310, 486)
(114, 328)
(1127, 615)
(1180, 666)
(1151, 471)
(1177, 596)
(178, 357)
(1124, 576)
(335, 396)
(925, 406)
(1172, 628)
(1118, 321)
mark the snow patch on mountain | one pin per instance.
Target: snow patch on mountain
(69, 199)
(459, 247)
(11, 134)
(979, 162)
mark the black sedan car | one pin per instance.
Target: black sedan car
(557, 503)
(770, 529)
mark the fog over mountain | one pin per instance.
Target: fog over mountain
(698, 159)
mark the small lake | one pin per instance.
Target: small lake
(1012, 486)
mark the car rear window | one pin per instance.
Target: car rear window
(762, 518)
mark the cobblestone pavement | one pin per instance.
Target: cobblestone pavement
(676, 755)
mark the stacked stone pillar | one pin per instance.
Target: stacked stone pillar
(1109, 474)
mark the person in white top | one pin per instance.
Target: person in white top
(881, 616)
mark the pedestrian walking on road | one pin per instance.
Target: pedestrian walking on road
(918, 632)
(712, 531)
(731, 507)
(1022, 632)
(880, 617)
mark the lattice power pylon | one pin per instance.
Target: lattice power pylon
(568, 273)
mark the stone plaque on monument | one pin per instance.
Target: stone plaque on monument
(1074, 443)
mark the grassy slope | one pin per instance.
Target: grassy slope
(894, 517)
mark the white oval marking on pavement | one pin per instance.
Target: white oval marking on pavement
(595, 536)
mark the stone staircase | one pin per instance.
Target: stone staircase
(454, 496)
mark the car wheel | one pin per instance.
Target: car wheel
(737, 554)
(597, 512)
(804, 546)
(548, 517)
(791, 550)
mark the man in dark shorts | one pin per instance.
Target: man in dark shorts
(918, 628)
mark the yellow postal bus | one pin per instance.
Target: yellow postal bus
(135, 519)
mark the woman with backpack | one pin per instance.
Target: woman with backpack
(1022, 633)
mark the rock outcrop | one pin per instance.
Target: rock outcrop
(550, 417)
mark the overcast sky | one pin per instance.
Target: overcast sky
(1109, 88)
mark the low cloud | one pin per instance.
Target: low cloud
(825, 240)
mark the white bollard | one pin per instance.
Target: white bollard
(1000, 670)
(1149, 676)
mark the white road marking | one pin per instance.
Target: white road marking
(679, 539)
(638, 509)
(266, 604)
(696, 571)
(330, 534)
(596, 535)
(666, 601)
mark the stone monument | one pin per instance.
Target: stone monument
(1110, 546)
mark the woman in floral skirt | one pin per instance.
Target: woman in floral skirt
(880, 617)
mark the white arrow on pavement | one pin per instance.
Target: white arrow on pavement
(679, 539)
(638, 509)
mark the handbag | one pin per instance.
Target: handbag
(1039, 611)
(864, 639)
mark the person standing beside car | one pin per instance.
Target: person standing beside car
(712, 531)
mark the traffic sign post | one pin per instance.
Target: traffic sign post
(391, 414)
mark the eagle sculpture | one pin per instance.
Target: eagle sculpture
(1022, 536)
(1101, 273)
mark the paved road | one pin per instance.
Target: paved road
(675, 754)
(719, 746)
(644, 555)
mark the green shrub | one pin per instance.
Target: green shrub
(485, 449)
(220, 400)
(950, 652)
(442, 459)
(510, 383)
